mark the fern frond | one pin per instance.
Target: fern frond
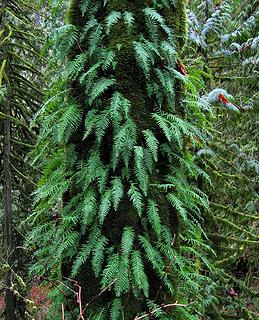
(105, 205)
(116, 309)
(112, 19)
(152, 142)
(98, 255)
(129, 19)
(140, 278)
(154, 217)
(117, 192)
(127, 240)
(69, 122)
(140, 169)
(152, 254)
(136, 198)
(99, 88)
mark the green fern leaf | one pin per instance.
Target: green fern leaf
(110, 271)
(129, 19)
(140, 278)
(116, 309)
(122, 283)
(112, 19)
(152, 255)
(140, 169)
(89, 208)
(69, 122)
(117, 192)
(127, 240)
(177, 203)
(153, 217)
(105, 205)
(152, 142)
(142, 57)
(98, 255)
(100, 315)
(136, 198)
(99, 88)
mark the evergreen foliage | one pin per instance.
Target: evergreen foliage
(224, 38)
(21, 96)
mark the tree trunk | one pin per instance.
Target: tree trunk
(131, 83)
(8, 231)
(7, 176)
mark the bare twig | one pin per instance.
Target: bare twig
(63, 312)
(163, 306)
(100, 293)
(79, 301)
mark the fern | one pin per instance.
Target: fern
(136, 198)
(116, 309)
(129, 19)
(154, 217)
(105, 205)
(152, 254)
(142, 57)
(69, 123)
(99, 88)
(98, 255)
(89, 208)
(126, 174)
(140, 169)
(110, 271)
(112, 19)
(127, 240)
(117, 192)
(152, 143)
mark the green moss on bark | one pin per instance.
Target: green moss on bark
(177, 19)
(131, 83)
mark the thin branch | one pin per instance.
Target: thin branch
(163, 306)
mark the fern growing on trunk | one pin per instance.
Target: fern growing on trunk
(119, 174)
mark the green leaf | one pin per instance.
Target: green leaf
(136, 198)
(117, 192)
(139, 276)
(152, 142)
(116, 309)
(99, 88)
(140, 169)
(69, 122)
(98, 255)
(112, 19)
(129, 19)
(154, 217)
(89, 208)
(105, 205)
(127, 240)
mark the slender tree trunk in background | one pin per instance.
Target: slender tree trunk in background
(8, 232)
(7, 176)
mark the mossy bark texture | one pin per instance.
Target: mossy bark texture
(121, 38)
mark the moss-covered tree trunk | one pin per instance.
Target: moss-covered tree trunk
(126, 28)
(118, 160)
